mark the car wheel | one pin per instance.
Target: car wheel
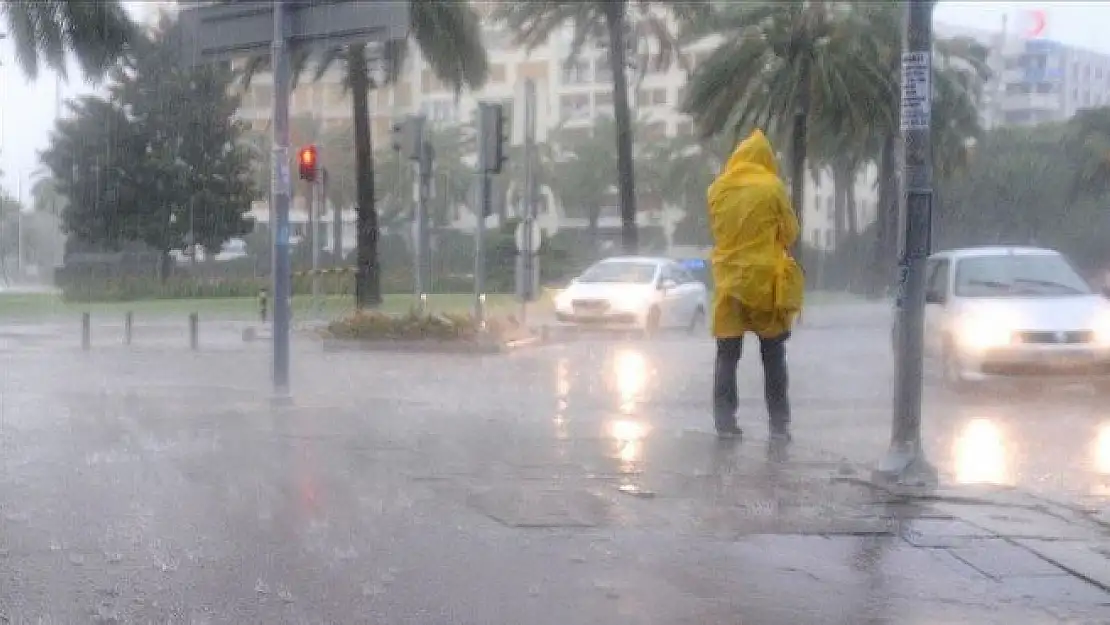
(697, 320)
(651, 324)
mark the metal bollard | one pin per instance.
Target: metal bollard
(262, 305)
(127, 319)
(86, 322)
(193, 330)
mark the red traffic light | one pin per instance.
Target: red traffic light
(307, 159)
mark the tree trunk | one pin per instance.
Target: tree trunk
(593, 215)
(798, 153)
(840, 205)
(368, 288)
(850, 200)
(626, 181)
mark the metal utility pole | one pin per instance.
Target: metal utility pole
(314, 209)
(420, 235)
(905, 463)
(527, 251)
(337, 221)
(489, 132)
(279, 195)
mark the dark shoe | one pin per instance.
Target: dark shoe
(730, 434)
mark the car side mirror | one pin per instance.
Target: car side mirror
(667, 284)
(934, 297)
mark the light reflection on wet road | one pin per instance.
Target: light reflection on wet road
(155, 468)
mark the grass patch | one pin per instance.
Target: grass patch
(35, 306)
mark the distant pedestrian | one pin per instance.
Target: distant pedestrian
(758, 285)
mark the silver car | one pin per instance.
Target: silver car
(634, 292)
(1014, 312)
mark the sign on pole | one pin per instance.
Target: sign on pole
(916, 85)
(221, 32)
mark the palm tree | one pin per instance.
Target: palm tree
(534, 21)
(781, 64)
(449, 37)
(97, 33)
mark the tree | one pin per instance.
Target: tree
(780, 64)
(449, 36)
(609, 21)
(97, 33)
(583, 172)
(1088, 135)
(1016, 190)
(160, 161)
(682, 168)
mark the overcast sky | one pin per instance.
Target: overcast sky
(27, 108)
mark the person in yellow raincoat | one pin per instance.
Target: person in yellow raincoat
(758, 285)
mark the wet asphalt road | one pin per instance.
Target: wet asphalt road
(154, 484)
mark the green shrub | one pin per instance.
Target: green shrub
(416, 326)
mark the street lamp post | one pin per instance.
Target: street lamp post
(905, 463)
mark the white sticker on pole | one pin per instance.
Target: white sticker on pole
(916, 90)
(280, 183)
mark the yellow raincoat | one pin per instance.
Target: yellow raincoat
(758, 285)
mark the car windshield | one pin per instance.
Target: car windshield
(1018, 275)
(619, 273)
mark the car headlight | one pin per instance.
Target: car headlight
(562, 300)
(1102, 329)
(980, 331)
(629, 302)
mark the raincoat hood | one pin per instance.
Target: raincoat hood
(758, 285)
(754, 152)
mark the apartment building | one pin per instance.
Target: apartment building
(1036, 80)
(568, 96)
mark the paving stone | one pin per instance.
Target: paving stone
(1000, 559)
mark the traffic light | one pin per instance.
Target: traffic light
(308, 162)
(493, 136)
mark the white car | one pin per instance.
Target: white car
(1013, 312)
(634, 292)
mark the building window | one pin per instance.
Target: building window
(602, 71)
(574, 107)
(652, 97)
(828, 239)
(603, 98)
(685, 128)
(577, 73)
(656, 130)
(497, 73)
(829, 201)
(440, 111)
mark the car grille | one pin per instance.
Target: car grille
(1073, 337)
(590, 305)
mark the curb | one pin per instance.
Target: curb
(332, 345)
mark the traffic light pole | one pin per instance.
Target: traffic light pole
(279, 195)
(485, 134)
(314, 208)
(905, 463)
(424, 178)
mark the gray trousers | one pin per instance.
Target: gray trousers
(776, 381)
